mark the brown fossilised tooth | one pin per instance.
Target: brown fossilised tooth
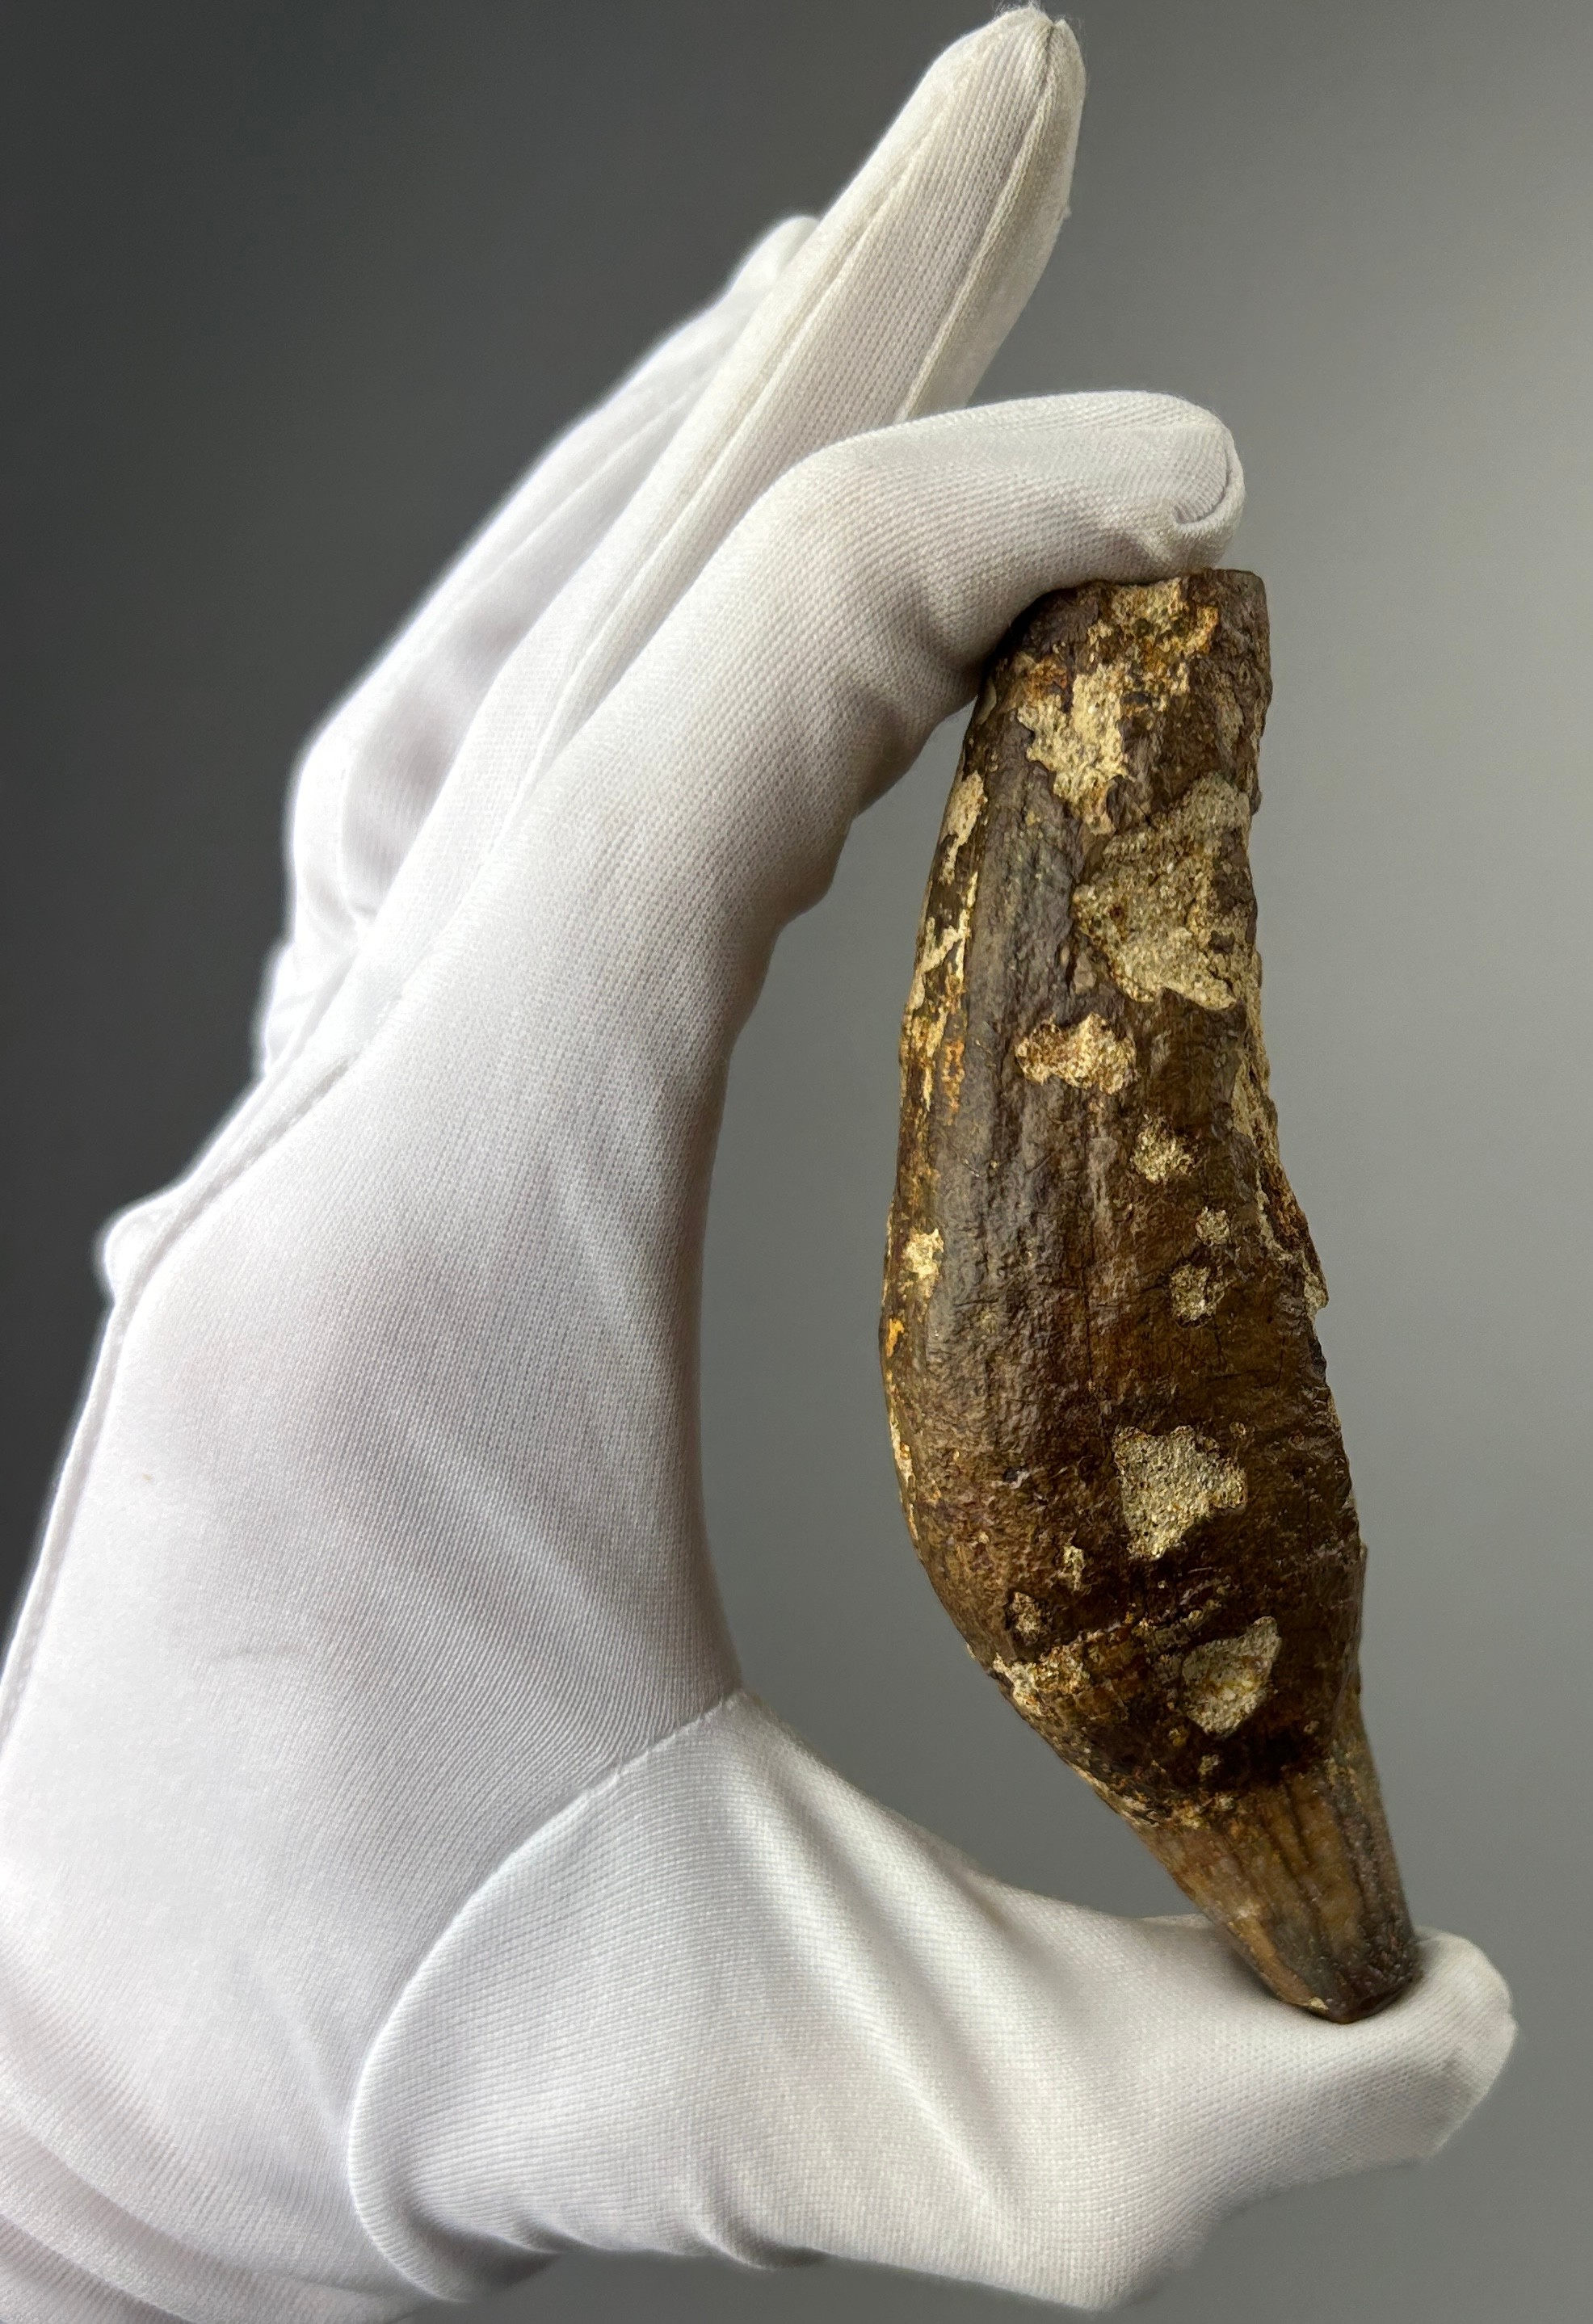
(1118, 1452)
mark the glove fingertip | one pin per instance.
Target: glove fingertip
(1481, 2029)
(770, 256)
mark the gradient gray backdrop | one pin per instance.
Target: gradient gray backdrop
(294, 290)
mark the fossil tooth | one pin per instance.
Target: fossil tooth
(1119, 1455)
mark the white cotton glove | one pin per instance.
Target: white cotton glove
(397, 1886)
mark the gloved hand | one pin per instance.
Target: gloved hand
(397, 1886)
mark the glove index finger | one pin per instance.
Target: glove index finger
(891, 306)
(707, 803)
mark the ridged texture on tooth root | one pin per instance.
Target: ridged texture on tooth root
(1118, 1452)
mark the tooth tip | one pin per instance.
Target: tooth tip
(1301, 1874)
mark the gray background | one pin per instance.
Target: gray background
(291, 293)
